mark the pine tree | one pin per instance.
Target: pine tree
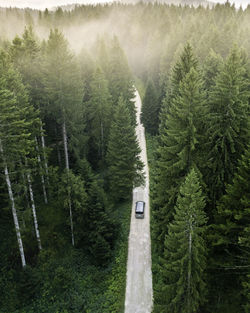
(26, 55)
(72, 194)
(124, 164)
(230, 234)
(211, 68)
(17, 120)
(182, 67)
(182, 267)
(101, 227)
(178, 150)
(63, 89)
(228, 130)
(150, 109)
(62, 84)
(98, 116)
(120, 78)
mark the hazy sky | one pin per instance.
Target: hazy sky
(42, 4)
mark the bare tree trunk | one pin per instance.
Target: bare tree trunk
(34, 213)
(65, 144)
(102, 140)
(71, 222)
(14, 212)
(42, 177)
(44, 154)
(189, 266)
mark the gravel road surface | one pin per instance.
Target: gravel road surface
(139, 294)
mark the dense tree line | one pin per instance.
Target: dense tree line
(67, 137)
(203, 144)
(61, 140)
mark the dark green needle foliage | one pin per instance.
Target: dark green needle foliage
(101, 228)
(63, 89)
(73, 81)
(120, 78)
(182, 67)
(230, 234)
(228, 129)
(124, 165)
(212, 66)
(150, 109)
(98, 116)
(71, 191)
(182, 267)
(178, 151)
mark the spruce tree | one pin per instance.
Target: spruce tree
(63, 88)
(26, 56)
(182, 67)
(228, 129)
(98, 116)
(230, 233)
(178, 149)
(72, 193)
(124, 164)
(62, 82)
(17, 120)
(182, 268)
(100, 225)
(150, 109)
(211, 68)
(120, 78)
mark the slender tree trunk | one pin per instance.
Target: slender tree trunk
(34, 213)
(71, 222)
(42, 177)
(44, 154)
(189, 267)
(65, 144)
(14, 212)
(102, 140)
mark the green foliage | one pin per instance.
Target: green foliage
(178, 150)
(182, 267)
(228, 127)
(124, 165)
(230, 232)
(98, 113)
(120, 78)
(150, 109)
(210, 136)
(101, 227)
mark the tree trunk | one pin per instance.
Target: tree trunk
(34, 213)
(44, 154)
(71, 222)
(65, 144)
(14, 212)
(102, 141)
(189, 267)
(42, 177)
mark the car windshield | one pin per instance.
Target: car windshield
(139, 207)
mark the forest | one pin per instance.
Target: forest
(69, 156)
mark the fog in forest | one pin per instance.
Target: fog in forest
(69, 155)
(146, 32)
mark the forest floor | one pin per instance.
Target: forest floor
(139, 295)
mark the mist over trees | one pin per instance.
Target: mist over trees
(69, 155)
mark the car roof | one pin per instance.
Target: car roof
(139, 206)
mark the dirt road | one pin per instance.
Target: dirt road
(139, 292)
